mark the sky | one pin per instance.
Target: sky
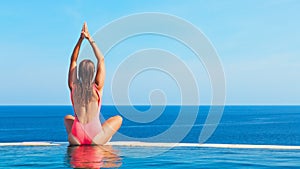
(257, 43)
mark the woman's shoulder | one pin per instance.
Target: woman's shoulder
(74, 86)
(97, 89)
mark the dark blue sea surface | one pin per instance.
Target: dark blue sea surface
(278, 125)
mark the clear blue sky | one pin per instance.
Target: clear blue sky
(257, 42)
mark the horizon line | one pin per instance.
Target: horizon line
(155, 105)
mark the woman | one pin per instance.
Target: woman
(86, 96)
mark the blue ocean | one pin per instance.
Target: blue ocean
(257, 125)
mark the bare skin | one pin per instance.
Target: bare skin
(87, 113)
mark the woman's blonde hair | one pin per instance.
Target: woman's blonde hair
(84, 89)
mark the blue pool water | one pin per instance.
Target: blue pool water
(271, 125)
(121, 157)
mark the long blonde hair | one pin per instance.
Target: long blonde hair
(84, 88)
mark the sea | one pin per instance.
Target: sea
(251, 125)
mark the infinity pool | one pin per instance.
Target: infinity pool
(63, 156)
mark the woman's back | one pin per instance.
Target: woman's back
(86, 112)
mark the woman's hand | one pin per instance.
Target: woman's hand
(82, 35)
(85, 33)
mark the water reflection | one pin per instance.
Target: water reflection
(93, 157)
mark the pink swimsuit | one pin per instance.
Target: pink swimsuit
(85, 133)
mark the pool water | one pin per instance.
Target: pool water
(63, 156)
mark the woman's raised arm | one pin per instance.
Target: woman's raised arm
(100, 74)
(73, 65)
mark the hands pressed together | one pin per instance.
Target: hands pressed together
(85, 33)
